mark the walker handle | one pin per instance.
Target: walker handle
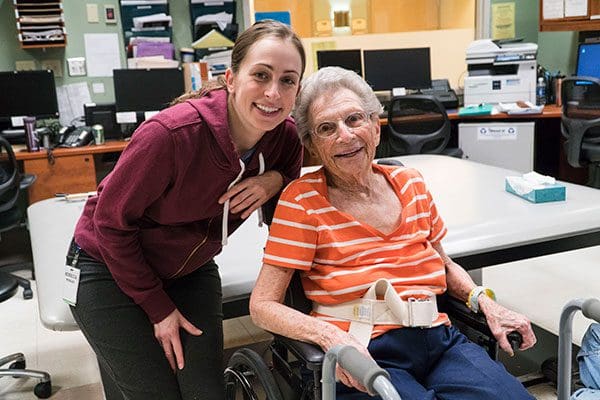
(361, 367)
(591, 309)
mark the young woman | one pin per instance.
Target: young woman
(149, 299)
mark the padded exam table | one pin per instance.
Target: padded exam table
(486, 226)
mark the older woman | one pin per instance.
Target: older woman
(366, 239)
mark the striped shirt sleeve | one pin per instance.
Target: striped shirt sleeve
(438, 228)
(293, 233)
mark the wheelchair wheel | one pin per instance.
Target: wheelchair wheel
(248, 377)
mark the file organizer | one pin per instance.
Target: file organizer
(203, 7)
(40, 23)
(141, 8)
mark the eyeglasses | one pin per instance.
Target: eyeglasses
(353, 122)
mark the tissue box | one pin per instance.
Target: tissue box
(539, 193)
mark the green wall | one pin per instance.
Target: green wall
(76, 25)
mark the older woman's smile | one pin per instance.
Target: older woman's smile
(349, 153)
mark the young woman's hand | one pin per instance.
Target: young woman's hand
(251, 193)
(167, 334)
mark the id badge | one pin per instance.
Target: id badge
(71, 281)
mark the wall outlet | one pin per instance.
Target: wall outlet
(25, 65)
(92, 13)
(54, 65)
(76, 66)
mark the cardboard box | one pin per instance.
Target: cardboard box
(201, 66)
(535, 193)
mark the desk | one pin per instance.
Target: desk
(549, 154)
(73, 170)
(486, 226)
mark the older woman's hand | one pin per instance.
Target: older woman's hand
(336, 336)
(251, 193)
(502, 321)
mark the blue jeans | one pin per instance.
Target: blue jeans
(439, 363)
(589, 365)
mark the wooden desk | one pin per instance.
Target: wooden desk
(549, 111)
(65, 170)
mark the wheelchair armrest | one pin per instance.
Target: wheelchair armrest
(457, 310)
(310, 354)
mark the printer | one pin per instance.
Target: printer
(500, 72)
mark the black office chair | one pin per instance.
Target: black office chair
(418, 124)
(580, 124)
(11, 183)
(296, 365)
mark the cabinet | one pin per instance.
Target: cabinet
(40, 23)
(555, 15)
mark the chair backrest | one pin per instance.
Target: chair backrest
(418, 124)
(9, 176)
(580, 123)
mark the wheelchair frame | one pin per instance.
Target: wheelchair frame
(299, 364)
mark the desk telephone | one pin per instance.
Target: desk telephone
(75, 137)
(440, 88)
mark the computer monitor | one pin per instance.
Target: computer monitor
(27, 93)
(588, 60)
(398, 68)
(143, 90)
(348, 59)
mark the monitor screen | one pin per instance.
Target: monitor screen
(28, 93)
(147, 89)
(588, 60)
(348, 59)
(398, 68)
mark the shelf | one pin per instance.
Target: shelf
(40, 24)
(582, 23)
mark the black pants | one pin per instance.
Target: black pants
(122, 336)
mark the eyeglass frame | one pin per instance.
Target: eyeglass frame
(367, 118)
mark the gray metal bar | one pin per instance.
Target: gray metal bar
(591, 309)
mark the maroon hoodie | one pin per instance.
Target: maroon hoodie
(156, 215)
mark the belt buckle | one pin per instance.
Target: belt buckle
(414, 306)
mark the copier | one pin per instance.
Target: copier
(500, 72)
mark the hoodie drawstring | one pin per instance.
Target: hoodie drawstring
(224, 226)
(261, 170)
(224, 232)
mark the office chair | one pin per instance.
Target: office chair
(296, 370)
(11, 183)
(580, 124)
(418, 124)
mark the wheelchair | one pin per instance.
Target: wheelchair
(295, 369)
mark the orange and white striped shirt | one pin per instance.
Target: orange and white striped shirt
(341, 257)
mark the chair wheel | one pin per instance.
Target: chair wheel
(247, 371)
(17, 365)
(43, 390)
(27, 294)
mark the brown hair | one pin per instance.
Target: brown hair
(258, 31)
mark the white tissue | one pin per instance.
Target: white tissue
(529, 181)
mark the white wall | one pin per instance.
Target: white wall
(447, 48)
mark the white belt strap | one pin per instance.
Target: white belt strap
(366, 312)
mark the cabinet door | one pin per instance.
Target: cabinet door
(72, 174)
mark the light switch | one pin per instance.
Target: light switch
(92, 13)
(54, 65)
(25, 65)
(76, 66)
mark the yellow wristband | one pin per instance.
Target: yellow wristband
(472, 301)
